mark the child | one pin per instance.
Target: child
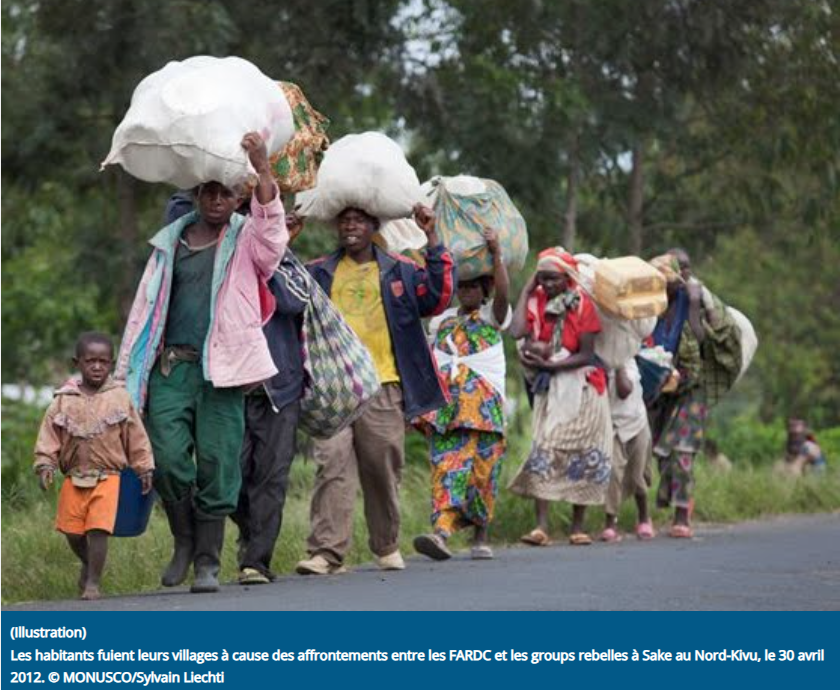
(91, 432)
(466, 436)
(631, 475)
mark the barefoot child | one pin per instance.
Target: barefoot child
(91, 432)
(466, 436)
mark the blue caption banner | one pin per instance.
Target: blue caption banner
(410, 650)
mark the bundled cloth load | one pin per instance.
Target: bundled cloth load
(186, 122)
(367, 171)
(296, 165)
(464, 206)
(630, 288)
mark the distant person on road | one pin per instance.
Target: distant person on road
(571, 452)
(802, 454)
(467, 435)
(91, 432)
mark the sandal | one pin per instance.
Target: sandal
(580, 539)
(481, 552)
(645, 531)
(611, 535)
(536, 537)
(433, 546)
(681, 532)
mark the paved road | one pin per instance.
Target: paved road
(785, 563)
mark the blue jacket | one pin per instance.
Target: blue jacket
(283, 333)
(409, 293)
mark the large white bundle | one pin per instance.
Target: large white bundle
(619, 339)
(186, 122)
(368, 171)
(749, 339)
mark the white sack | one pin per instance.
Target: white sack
(367, 171)
(749, 339)
(186, 122)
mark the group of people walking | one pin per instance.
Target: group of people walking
(212, 357)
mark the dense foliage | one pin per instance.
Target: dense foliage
(616, 127)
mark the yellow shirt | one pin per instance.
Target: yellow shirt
(357, 293)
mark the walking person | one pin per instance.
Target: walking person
(678, 416)
(383, 297)
(570, 457)
(193, 341)
(632, 452)
(90, 433)
(467, 435)
(272, 411)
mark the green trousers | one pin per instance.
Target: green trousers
(196, 432)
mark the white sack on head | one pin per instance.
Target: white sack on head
(186, 122)
(368, 171)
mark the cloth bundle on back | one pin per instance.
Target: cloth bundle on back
(186, 122)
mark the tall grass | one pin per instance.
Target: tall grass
(38, 565)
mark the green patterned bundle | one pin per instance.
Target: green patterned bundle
(461, 220)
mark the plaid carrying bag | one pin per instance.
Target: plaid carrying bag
(341, 376)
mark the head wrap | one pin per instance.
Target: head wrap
(556, 260)
(669, 267)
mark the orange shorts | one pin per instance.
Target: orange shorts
(81, 510)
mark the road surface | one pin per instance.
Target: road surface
(788, 563)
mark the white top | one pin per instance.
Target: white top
(629, 415)
(488, 364)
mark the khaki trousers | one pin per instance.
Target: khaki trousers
(631, 471)
(372, 452)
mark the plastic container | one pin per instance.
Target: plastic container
(133, 508)
(630, 288)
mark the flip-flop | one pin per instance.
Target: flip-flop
(580, 539)
(611, 535)
(535, 537)
(433, 546)
(645, 531)
(681, 532)
(481, 552)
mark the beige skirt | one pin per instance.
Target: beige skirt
(569, 461)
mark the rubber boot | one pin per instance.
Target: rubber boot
(180, 515)
(209, 539)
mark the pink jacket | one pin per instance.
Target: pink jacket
(235, 352)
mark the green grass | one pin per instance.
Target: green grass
(36, 563)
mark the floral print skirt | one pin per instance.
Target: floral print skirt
(465, 471)
(572, 461)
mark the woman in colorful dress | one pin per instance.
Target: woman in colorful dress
(678, 416)
(570, 458)
(467, 436)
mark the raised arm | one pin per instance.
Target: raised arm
(501, 284)
(434, 285)
(265, 230)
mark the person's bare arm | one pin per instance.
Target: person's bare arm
(258, 155)
(501, 283)
(519, 324)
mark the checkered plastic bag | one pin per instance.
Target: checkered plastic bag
(341, 375)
